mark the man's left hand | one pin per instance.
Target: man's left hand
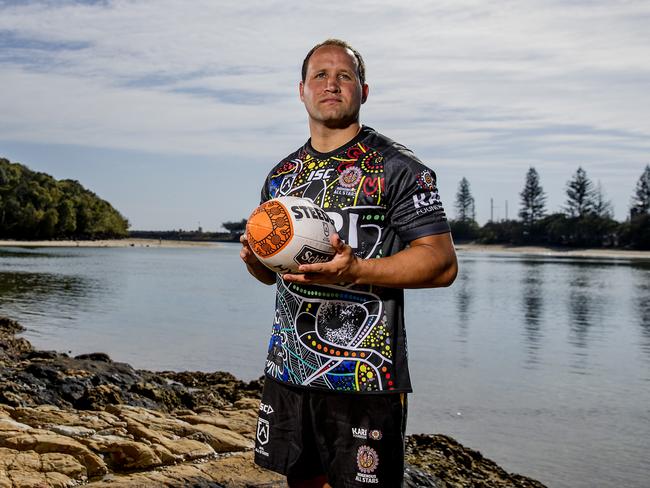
(343, 268)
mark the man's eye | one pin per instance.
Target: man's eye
(345, 76)
(320, 75)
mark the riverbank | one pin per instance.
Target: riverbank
(464, 247)
(565, 252)
(129, 242)
(88, 420)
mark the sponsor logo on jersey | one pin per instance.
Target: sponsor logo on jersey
(310, 255)
(320, 174)
(367, 462)
(426, 210)
(426, 199)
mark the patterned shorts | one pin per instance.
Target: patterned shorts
(357, 440)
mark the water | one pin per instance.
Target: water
(542, 364)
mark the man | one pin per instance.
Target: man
(333, 412)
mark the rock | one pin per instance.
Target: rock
(54, 443)
(32, 469)
(454, 465)
(221, 440)
(95, 356)
(70, 421)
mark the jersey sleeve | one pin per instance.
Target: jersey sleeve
(265, 194)
(415, 209)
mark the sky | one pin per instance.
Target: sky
(174, 111)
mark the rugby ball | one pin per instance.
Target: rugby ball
(286, 232)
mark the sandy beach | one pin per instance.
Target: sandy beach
(555, 252)
(469, 247)
(111, 243)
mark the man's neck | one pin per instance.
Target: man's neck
(324, 139)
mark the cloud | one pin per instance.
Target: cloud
(464, 82)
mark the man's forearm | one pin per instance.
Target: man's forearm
(419, 266)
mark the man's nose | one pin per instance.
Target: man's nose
(332, 84)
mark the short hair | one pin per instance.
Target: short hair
(361, 66)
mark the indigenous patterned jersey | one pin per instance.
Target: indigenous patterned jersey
(352, 338)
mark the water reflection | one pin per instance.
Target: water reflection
(24, 295)
(533, 303)
(642, 300)
(463, 297)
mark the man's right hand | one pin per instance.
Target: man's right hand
(254, 266)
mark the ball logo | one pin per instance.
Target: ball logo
(274, 216)
(311, 255)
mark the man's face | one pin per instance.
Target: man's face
(332, 92)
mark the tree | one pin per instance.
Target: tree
(35, 205)
(464, 202)
(641, 199)
(580, 192)
(533, 199)
(235, 228)
(602, 207)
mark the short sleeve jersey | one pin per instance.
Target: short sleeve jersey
(352, 338)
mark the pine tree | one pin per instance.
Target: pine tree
(641, 199)
(533, 199)
(602, 206)
(464, 202)
(580, 192)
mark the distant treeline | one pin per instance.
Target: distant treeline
(585, 221)
(36, 206)
(184, 235)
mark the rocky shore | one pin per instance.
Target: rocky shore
(91, 421)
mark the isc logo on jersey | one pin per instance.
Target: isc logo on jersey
(320, 174)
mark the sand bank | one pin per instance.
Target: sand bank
(554, 251)
(112, 243)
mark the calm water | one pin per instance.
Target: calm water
(542, 364)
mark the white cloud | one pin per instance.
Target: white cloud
(479, 84)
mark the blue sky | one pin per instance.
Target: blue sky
(174, 111)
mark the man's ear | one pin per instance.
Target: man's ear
(301, 90)
(365, 90)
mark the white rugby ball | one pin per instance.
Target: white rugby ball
(286, 232)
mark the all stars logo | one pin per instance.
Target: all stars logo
(367, 459)
(350, 177)
(367, 462)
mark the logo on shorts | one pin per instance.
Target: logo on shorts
(359, 433)
(262, 431)
(367, 459)
(267, 409)
(367, 462)
(375, 435)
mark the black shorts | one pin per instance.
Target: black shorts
(355, 439)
